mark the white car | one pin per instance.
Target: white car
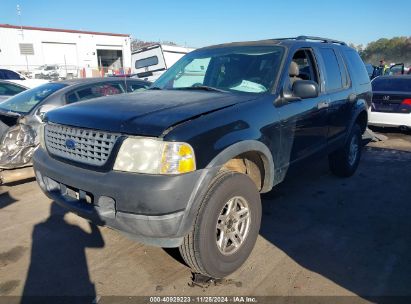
(150, 62)
(54, 72)
(391, 102)
(13, 76)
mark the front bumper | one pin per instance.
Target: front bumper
(154, 209)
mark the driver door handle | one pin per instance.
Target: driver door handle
(322, 105)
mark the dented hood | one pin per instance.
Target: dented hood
(146, 113)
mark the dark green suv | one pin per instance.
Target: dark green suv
(183, 164)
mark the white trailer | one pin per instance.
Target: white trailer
(151, 61)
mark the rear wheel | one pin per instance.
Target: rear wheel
(226, 227)
(344, 161)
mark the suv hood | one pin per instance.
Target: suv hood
(147, 113)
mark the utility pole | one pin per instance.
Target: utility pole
(19, 16)
(22, 33)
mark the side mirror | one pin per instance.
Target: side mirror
(44, 109)
(305, 89)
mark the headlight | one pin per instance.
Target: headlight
(41, 136)
(153, 156)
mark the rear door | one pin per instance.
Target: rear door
(338, 89)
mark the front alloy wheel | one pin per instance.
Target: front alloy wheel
(233, 225)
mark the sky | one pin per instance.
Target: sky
(198, 23)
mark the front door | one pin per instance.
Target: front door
(304, 121)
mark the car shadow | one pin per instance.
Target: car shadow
(355, 232)
(20, 182)
(58, 265)
(391, 130)
(6, 200)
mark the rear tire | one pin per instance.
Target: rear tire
(226, 227)
(344, 162)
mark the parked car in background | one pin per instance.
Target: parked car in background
(16, 77)
(183, 164)
(8, 89)
(151, 61)
(21, 115)
(54, 72)
(391, 102)
(394, 69)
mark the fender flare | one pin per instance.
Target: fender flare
(361, 107)
(249, 146)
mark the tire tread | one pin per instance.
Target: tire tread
(187, 250)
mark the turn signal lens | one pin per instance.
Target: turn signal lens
(177, 158)
(41, 136)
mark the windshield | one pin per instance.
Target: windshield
(392, 84)
(24, 102)
(236, 69)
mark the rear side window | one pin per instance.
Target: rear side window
(72, 98)
(146, 62)
(333, 79)
(99, 90)
(9, 89)
(357, 66)
(7, 74)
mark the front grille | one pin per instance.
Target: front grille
(85, 146)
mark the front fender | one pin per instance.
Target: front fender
(248, 146)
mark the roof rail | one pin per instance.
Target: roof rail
(324, 40)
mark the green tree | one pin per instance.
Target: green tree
(397, 49)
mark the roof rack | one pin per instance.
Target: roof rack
(305, 38)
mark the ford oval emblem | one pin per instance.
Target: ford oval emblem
(70, 144)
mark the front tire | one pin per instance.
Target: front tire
(344, 162)
(226, 227)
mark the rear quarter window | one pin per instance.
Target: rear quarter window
(357, 66)
(99, 90)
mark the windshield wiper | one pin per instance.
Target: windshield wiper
(154, 88)
(202, 87)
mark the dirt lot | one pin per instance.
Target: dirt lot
(320, 235)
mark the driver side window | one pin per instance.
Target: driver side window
(302, 67)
